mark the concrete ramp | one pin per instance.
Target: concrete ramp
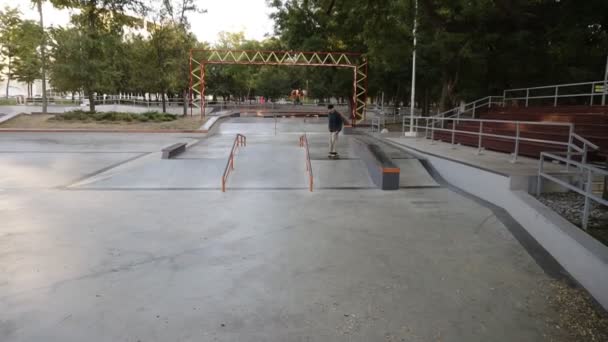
(414, 175)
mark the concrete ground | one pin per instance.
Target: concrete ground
(103, 241)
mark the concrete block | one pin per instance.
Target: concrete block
(383, 171)
(173, 150)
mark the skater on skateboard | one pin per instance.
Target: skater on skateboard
(336, 122)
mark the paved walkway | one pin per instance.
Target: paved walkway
(107, 264)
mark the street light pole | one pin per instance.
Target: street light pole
(413, 90)
(605, 84)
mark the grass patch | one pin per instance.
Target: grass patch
(83, 116)
(8, 102)
(48, 121)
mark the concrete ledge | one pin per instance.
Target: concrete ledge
(383, 171)
(173, 150)
(211, 123)
(583, 257)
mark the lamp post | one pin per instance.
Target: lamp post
(605, 84)
(411, 133)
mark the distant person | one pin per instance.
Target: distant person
(336, 121)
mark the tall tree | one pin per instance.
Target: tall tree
(9, 39)
(100, 23)
(65, 72)
(177, 12)
(38, 4)
(27, 64)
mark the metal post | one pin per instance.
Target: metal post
(474, 107)
(584, 158)
(453, 132)
(569, 151)
(527, 96)
(480, 134)
(555, 97)
(202, 90)
(413, 90)
(605, 84)
(540, 172)
(433, 132)
(587, 200)
(516, 152)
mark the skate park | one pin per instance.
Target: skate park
(336, 171)
(137, 237)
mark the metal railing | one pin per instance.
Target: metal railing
(573, 144)
(472, 107)
(558, 91)
(219, 105)
(239, 140)
(377, 124)
(430, 123)
(588, 172)
(304, 143)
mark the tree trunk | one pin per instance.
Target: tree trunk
(185, 101)
(164, 102)
(43, 58)
(447, 93)
(8, 76)
(91, 102)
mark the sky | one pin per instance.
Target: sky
(249, 16)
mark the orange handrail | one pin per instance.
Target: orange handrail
(304, 143)
(239, 140)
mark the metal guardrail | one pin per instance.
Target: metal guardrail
(472, 107)
(239, 140)
(588, 171)
(430, 123)
(304, 143)
(597, 88)
(378, 123)
(573, 144)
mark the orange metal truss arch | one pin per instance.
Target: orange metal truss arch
(199, 58)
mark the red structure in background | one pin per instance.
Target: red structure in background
(199, 58)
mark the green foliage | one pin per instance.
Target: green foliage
(8, 102)
(99, 27)
(10, 23)
(466, 49)
(28, 62)
(66, 72)
(79, 115)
